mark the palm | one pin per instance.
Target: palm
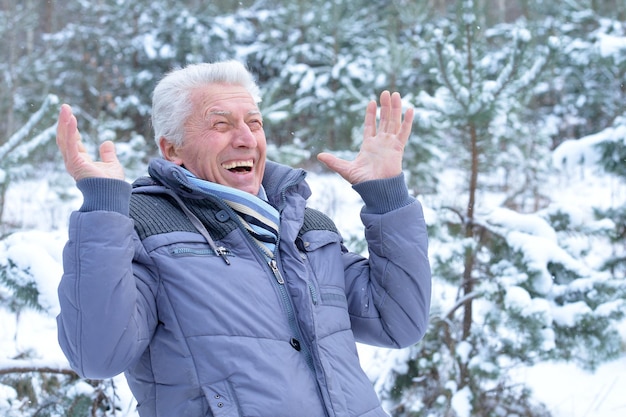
(77, 161)
(382, 149)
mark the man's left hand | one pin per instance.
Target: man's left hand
(382, 149)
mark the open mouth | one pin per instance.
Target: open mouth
(239, 167)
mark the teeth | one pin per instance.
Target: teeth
(237, 164)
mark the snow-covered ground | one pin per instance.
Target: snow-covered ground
(567, 390)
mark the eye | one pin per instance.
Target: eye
(220, 124)
(255, 123)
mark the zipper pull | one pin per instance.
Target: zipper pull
(279, 277)
(223, 253)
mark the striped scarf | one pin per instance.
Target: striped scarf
(260, 219)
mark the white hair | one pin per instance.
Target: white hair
(171, 99)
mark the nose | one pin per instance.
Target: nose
(244, 138)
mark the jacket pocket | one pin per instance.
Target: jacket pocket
(333, 296)
(222, 399)
(322, 251)
(196, 249)
(332, 311)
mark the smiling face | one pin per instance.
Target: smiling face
(224, 141)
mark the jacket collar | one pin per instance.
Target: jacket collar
(277, 180)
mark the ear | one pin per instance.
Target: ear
(169, 151)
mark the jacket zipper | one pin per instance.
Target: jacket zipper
(309, 355)
(291, 316)
(297, 341)
(287, 302)
(295, 328)
(220, 250)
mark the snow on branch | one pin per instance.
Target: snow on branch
(22, 133)
(28, 147)
(20, 366)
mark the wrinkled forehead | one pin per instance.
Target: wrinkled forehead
(216, 98)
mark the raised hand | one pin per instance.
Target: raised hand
(382, 149)
(78, 163)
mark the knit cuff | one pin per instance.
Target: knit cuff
(104, 194)
(385, 195)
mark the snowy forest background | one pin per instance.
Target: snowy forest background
(518, 155)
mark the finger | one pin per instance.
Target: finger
(107, 152)
(64, 116)
(407, 126)
(369, 129)
(333, 163)
(68, 137)
(385, 111)
(395, 119)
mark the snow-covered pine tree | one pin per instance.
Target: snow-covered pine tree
(319, 71)
(612, 152)
(30, 384)
(22, 148)
(509, 290)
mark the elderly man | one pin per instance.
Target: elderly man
(213, 286)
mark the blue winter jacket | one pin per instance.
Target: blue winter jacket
(163, 283)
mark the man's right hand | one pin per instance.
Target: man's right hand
(78, 163)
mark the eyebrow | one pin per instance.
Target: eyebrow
(228, 113)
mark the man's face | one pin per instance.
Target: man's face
(224, 140)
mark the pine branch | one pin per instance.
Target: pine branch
(23, 133)
(25, 366)
(461, 302)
